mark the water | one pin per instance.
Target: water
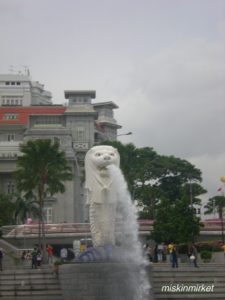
(129, 250)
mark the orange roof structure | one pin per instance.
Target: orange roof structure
(21, 114)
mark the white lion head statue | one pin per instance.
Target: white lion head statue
(96, 161)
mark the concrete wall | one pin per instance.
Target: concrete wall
(100, 281)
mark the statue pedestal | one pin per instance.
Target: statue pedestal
(101, 281)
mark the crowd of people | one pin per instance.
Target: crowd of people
(35, 256)
(162, 252)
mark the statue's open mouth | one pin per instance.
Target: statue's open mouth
(104, 166)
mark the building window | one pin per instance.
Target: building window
(7, 83)
(48, 214)
(80, 133)
(10, 188)
(10, 116)
(12, 100)
(48, 120)
(11, 137)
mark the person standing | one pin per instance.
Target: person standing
(170, 250)
(34, 258)
(63, 254)
(1, 258)
(50, 253)
(156, 259)
(174, 257)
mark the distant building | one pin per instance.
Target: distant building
(27, 112)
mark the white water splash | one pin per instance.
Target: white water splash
(127, 234)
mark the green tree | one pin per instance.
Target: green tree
(42, 169)
(216, 203)
(176, 222)
(7, 208)
(152, 177)
(25, 206)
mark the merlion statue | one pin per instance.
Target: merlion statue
(101, 193)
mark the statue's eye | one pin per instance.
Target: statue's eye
(98, 154)
(112, 154)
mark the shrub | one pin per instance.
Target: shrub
(206, 255)
(58, 262)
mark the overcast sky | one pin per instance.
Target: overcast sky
(161, 61)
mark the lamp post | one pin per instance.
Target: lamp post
(222, 179)
(128, 133)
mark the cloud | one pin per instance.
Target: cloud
(179, 98)
(175, 103)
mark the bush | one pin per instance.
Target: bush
(183, 249)
(206, 255)
(58, 262)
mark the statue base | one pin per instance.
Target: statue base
(101, 281)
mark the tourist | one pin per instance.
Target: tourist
(28, 255)
(23, 257)
(63, 254)
(34, 258)
(50, 254)
(194, 255)
(148, 252)
(39, 258)
(174, 255)
(1, 258)
(156, 259)
(170, 250)
(164, 252)
(189, 255)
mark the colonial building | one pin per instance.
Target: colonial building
(27, 112)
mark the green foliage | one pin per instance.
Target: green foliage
(42, 168)
(175, 223)
(6, 210)
(216, 203)
(165, 188)
(26, 206)
(206, 255)
(58, 263)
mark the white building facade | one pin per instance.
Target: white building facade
(27, 112)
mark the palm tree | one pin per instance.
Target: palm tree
(42, 169)
(217, 203)
(26, 206)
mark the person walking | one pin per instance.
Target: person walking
(194, 255)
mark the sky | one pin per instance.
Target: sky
(161, 61)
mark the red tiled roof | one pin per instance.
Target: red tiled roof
(24, 112)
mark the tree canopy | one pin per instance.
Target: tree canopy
(166, 189)
(42, 170)
(7, 208)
